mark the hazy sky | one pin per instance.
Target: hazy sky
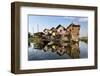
(48, 22)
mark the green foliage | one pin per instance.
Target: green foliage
(85, 39)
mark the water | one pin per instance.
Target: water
(71, 51)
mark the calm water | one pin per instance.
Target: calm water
(73, 51)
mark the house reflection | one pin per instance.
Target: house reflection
(71, 49)
(74, 50)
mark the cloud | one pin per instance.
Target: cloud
(70, 18)
(77, 19)
(83, 19)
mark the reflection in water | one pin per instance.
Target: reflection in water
(75, 51)
(72, 49)
(54, 50)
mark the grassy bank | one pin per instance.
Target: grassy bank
(84, 39)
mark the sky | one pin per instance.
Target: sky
(39, 23)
